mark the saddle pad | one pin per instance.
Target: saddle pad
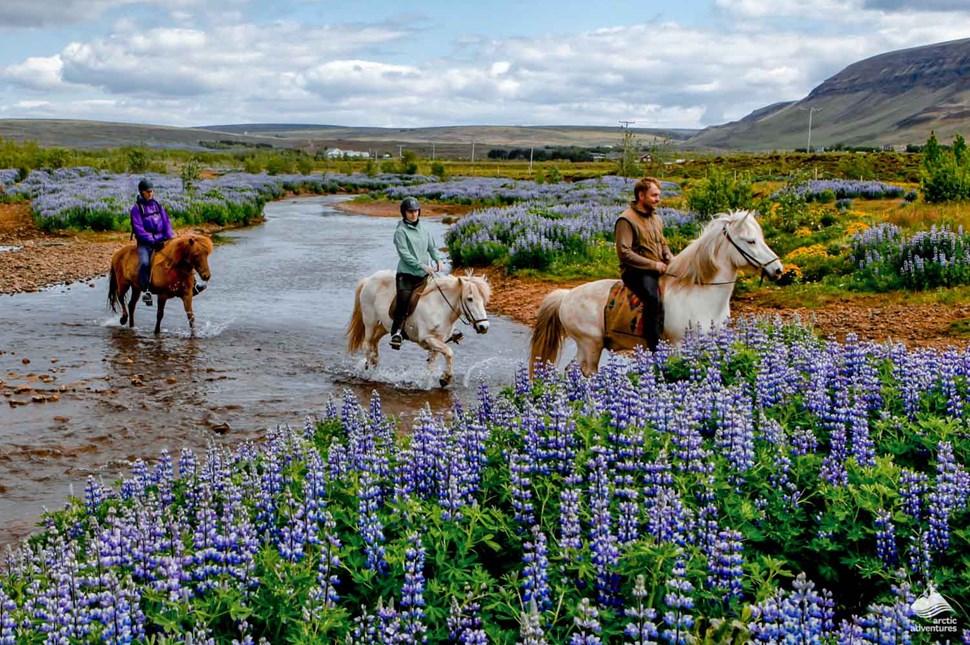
(623, 319)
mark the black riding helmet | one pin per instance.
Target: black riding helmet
(145, 184)
(410, 204)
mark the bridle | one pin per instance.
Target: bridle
(464, 313)
(753, 261)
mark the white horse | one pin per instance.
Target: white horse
(696, 291)
(446, 299)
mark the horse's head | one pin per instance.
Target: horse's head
(747, 242)
(475, 292)
(193, 251)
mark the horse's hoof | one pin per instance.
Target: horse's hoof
(444, 381)
(124, 320)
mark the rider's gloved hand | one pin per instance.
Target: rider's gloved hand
(429, 270)
(157, 246)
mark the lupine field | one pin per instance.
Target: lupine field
(754, 485)
(758, 484)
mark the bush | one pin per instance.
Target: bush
(720, 192)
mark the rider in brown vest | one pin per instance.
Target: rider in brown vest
(644, 254)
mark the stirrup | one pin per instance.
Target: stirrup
(199, 288)
(147, 299)
(396, 341)
(456, 337)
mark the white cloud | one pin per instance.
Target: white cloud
(661, 74)
(39, 73)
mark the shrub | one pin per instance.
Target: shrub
(720, 192)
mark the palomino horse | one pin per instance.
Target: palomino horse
(696, 291)
(445, 300)
(173, 275)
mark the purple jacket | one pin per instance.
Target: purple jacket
(149, 222)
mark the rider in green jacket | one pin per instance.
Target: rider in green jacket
(418, 257)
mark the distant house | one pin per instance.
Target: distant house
(337, 153)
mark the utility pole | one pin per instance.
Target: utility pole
(473, 151)
(810, 110)
(432, 151)
(400, 152)
(531, 150)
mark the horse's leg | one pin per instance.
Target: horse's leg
(189, 313)
(434, 344)
(122, 292)
(135, 294)
(160, 313)
(588, 353)
(372, 340)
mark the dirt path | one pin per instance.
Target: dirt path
(45, 259)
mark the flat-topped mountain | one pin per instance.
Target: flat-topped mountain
(890, 99)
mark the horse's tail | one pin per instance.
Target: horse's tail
(113, 301)
(548, 332)
(355, 328)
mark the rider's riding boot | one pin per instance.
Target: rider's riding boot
(396, 340)
(147, 299)
(199, 288)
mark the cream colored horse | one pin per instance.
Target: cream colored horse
(697, 291)
(446, 300)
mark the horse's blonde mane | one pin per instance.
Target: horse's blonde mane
(696, 264)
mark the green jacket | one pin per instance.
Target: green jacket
(415, 247)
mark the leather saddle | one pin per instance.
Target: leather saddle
(412, 305)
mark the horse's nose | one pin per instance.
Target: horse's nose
(482, 327)
(777, 271)
(205, 276)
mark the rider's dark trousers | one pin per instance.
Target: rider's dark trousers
(405, 283)
(144, 265)
(646, 286)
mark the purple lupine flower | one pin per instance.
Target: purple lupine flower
(464, 618)
(641, 630)
(535, 577)
(605, 554)
(725, 564)
(521, 489)
(912, 486)
(886, 538)
(412, 593)
(944, 498)
(8, 620)
(587, 625)
(679, 602)
(530, 627)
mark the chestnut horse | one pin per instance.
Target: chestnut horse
(173, 276)
(446, 300)
(696, 292)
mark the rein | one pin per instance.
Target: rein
(464, 314)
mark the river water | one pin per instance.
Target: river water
(270, 350)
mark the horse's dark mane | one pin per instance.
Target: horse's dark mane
(695, 265)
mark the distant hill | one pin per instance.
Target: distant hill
(890, 99)
(450, 141)
(69, 133)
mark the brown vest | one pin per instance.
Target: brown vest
(648, 235)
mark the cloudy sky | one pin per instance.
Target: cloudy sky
(394, 63)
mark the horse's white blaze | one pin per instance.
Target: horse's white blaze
(697, 290)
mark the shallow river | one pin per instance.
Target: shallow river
(270, 349)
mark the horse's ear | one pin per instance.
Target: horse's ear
(191, 241)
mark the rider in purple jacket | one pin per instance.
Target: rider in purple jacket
(151, 227)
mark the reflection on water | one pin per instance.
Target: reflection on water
(269, 350)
